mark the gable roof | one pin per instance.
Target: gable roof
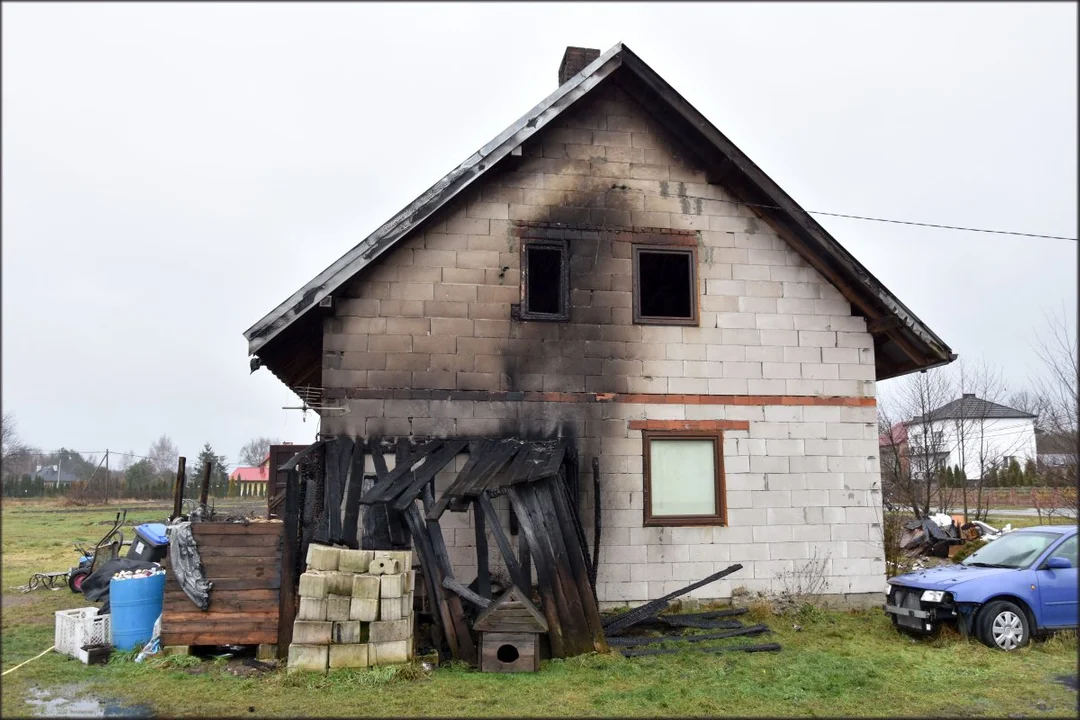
(511, 612)
(970, 407)
(902, 342)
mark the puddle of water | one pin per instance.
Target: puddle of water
(75, 701)
(1068, 681)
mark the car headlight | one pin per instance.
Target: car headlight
(933, 596)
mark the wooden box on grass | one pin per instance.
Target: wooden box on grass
(243, 563)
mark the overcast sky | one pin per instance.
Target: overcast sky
(172, 172)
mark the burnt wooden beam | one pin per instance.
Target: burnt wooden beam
(655, 607)
(204, 490)
(383, 489)
(515, 570)
(178, 487)
(596, 520)
(441, 612)
(630, 641)
(551, 492)
(290, 559)
(545, 579)
(764, 647)
(354, 487)
(433, 463)
(466, 646)
(465, 593)
(483, 573)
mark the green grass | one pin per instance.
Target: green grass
(839, 664)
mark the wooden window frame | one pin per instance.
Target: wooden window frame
(719, 517)
(695, 291)
(563, 246)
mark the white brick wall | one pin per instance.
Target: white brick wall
(434, 313)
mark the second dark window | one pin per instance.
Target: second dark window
(665, 286)
(545, 280)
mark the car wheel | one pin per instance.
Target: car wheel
(1004, 626)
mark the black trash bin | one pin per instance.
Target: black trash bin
(150, 543)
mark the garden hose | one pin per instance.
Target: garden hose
(51, 647)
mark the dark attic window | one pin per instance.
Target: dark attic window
(545, 280)
(665, 286)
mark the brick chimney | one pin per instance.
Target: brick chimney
(574, 61)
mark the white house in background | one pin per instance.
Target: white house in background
(972, 433)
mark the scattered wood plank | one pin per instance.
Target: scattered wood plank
(650, 640)
(423, 475)
(483, 573)
(766, 647)
(622, 622)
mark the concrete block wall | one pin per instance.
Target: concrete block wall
(433, 316)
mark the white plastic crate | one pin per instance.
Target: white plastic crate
(78, 627)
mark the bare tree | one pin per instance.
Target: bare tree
(255, 451)
(914, 456)
(12, 448)
(163, 455)
(1057, 390)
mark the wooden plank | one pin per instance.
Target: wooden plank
(272, 527)
(578, 553)
(199, 616)
(545, 579)
(236, 623)
(432, 578)
(263, 583)
(221, 605)
(353, 488)
(503, 453)
(554, 462)
(227, 568)
(383, 489)
(525, 558)
(576, 631)
(518, 470)
(516, 574)
(232, 595)
(290, 559)
(337, 473)
(478, 453)
(483, 573)
(249, 540)
(376, 523)
(466, 646)
(178, 487)
(426, 472)
(257, 552)
(252, 637)
(465, 593)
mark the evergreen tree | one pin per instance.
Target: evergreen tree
(219, 477)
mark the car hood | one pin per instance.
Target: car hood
(946, 577)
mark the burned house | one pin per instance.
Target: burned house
(612, 274)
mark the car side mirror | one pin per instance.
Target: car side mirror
(1058, 563)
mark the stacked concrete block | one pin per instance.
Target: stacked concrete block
(355, 609)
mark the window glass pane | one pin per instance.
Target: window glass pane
(1067, 550)
(682, 477)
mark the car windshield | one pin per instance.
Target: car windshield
(1015, 550)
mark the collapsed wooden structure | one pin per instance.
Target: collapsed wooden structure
(329, 498)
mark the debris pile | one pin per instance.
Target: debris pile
(941, 535)
(356, 609)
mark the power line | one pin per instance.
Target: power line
(908, 222)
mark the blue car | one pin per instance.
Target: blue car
(1019, 584)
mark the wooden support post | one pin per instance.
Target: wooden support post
(519, 578)
(178, 488)
(204, 491)
(290, 558)
(483, 574)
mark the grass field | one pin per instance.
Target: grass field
(839, 664)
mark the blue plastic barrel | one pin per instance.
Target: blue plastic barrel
(135, 604)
